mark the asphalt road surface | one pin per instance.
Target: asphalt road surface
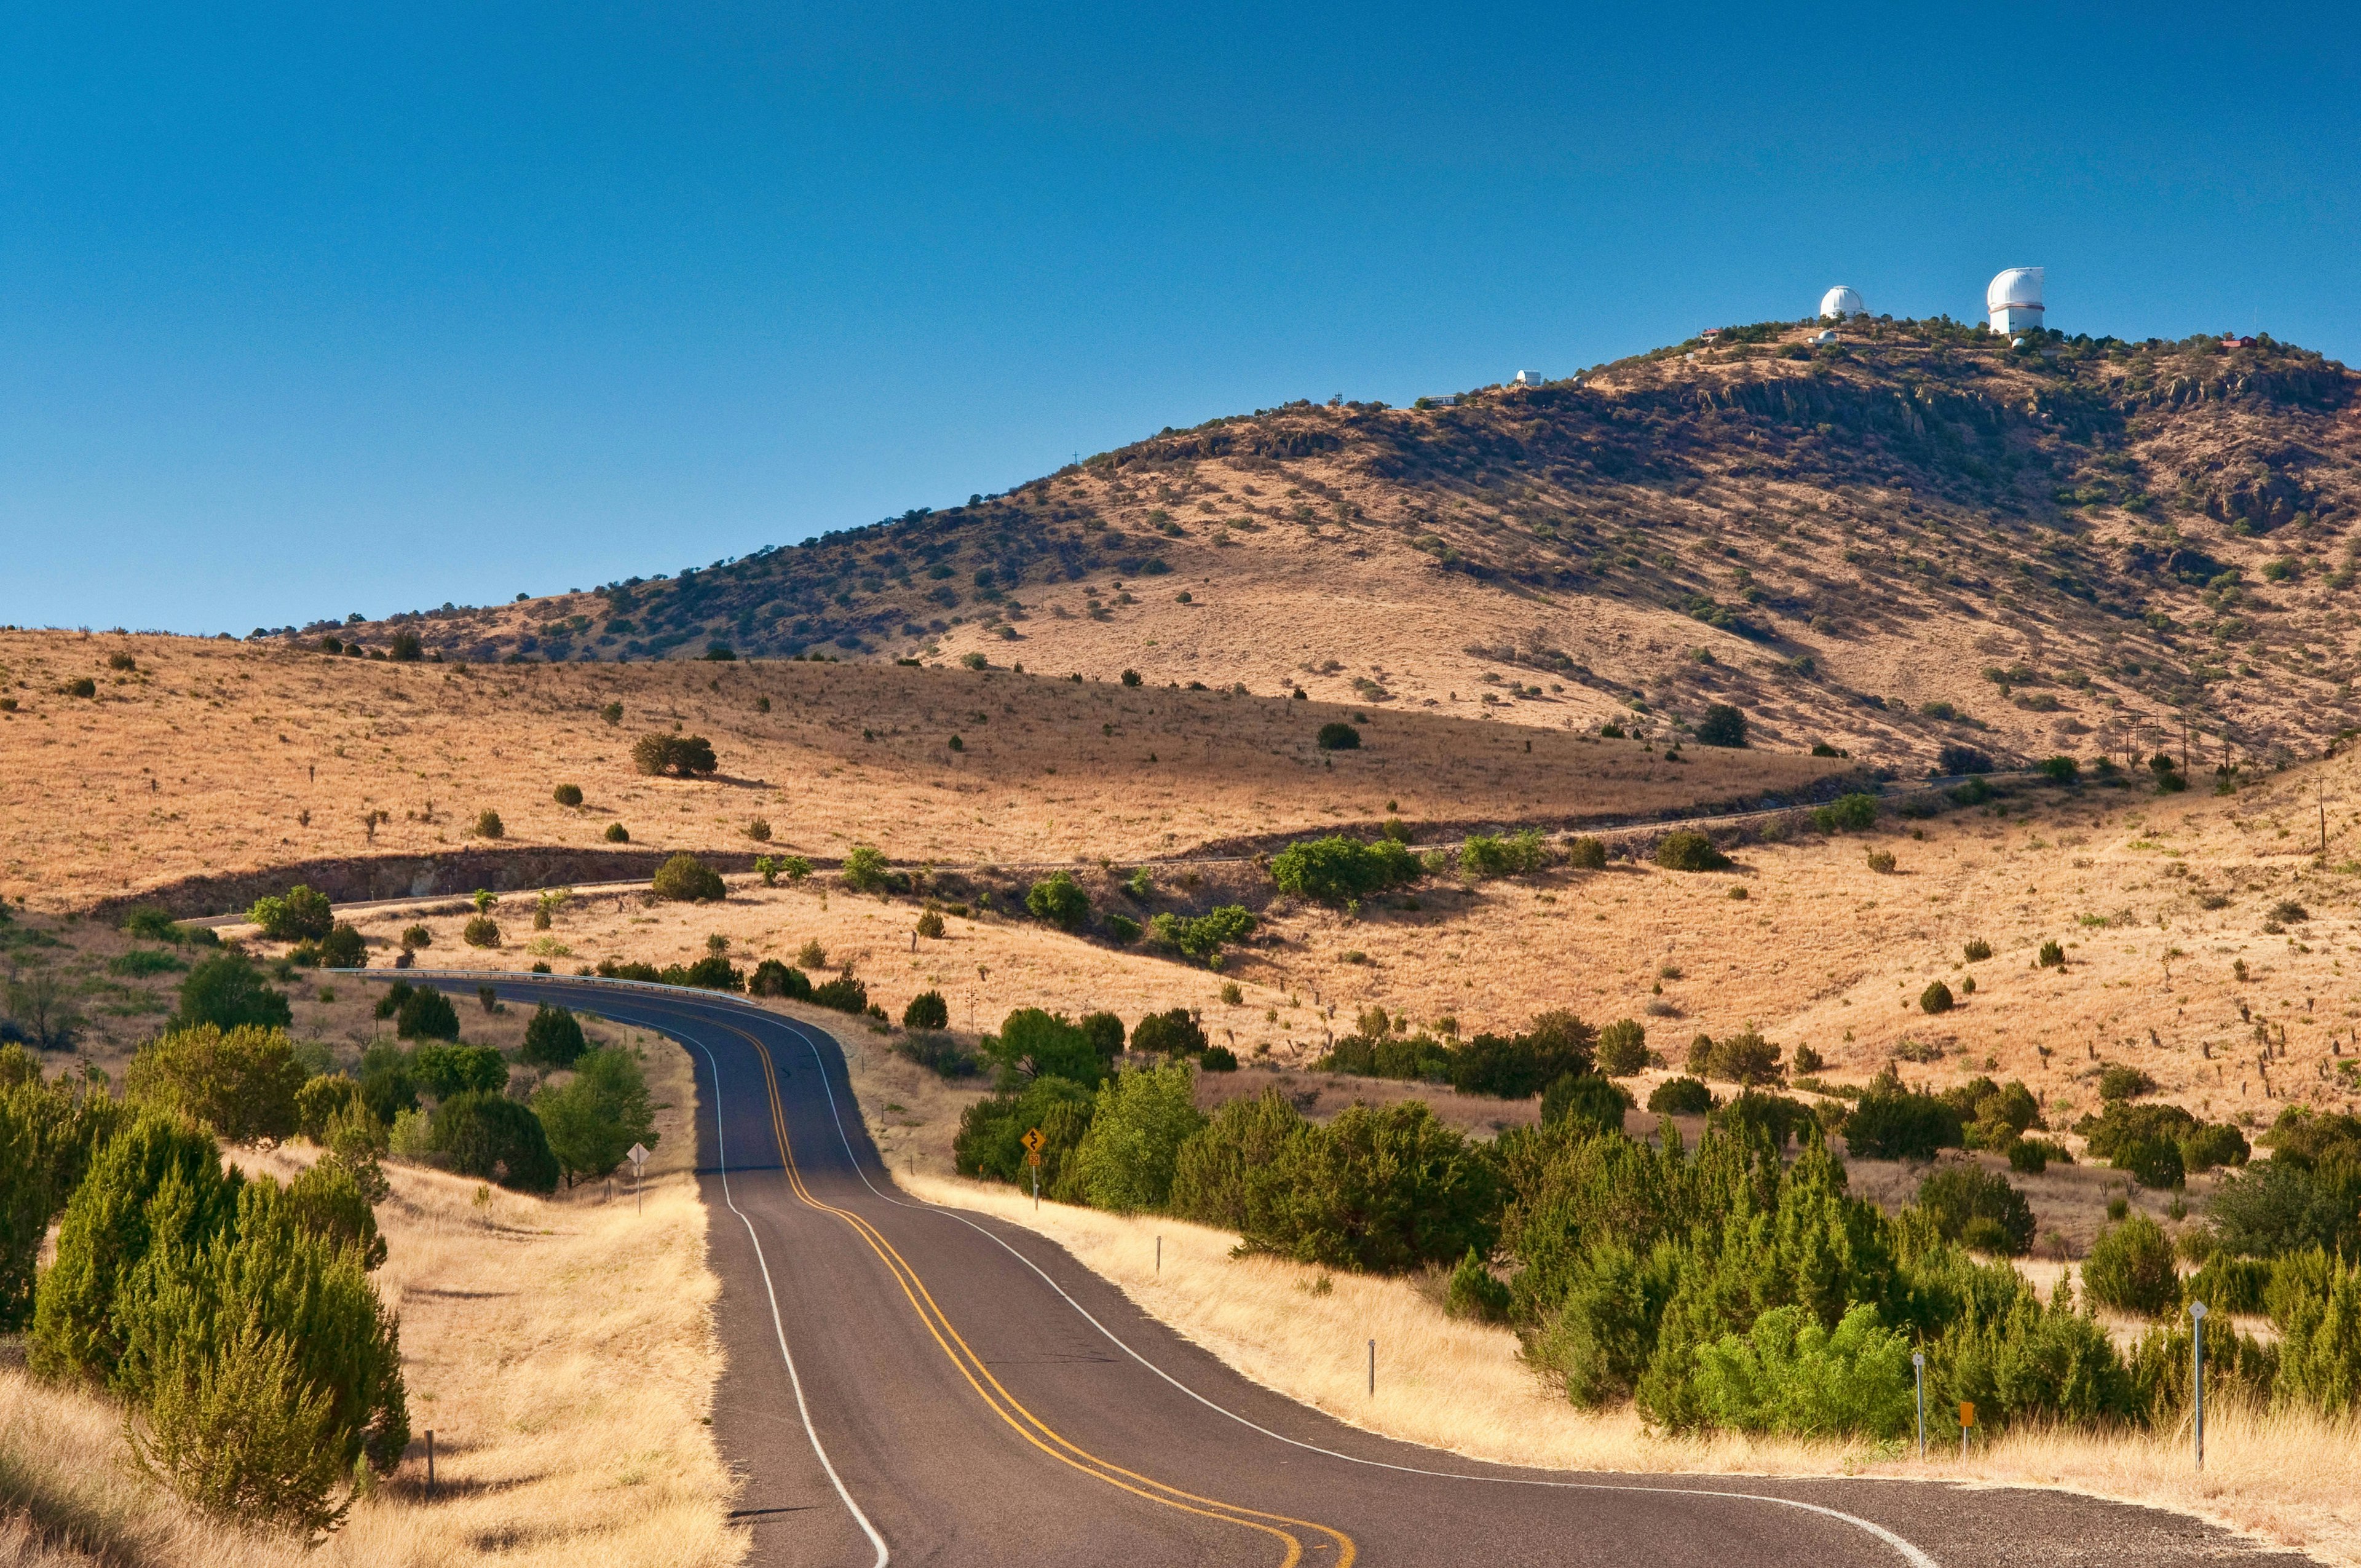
(912, 1384)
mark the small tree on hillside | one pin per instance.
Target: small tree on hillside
(687, 879)
(300, 914)
(227, 990)
(1060, 900)
(865, 870)
(681, 756)
(1721, 725)
(928, 1010)
(552, 1038)
(240, 1082)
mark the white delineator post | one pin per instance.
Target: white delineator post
(1918, 1376)
(2197, 1380)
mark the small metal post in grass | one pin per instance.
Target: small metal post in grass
(1373, 1369)
(1159, 1255)
(1918, 1376)
(430, 1464)
(2197, 1380)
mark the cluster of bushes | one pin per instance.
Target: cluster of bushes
(2307, 1196)
(2159, 1146)
(1203, 936)
(1338, 869)
(260, 1373)
(1485, 856)
(712, 972)
(1510, 1067)
(681, 756)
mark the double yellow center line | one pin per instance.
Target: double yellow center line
(1006, 1405)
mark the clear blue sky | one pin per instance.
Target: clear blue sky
(305, 311)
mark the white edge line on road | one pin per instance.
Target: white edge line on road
(1909, 1551)
(778, 1327)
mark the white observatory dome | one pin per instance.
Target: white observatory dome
(2015, 300)
(2019, 287)
(1841, 301)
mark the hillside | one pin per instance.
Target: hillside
(187, 773)
(1912, 537)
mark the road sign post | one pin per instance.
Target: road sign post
(1966, 1419)
(2197, 1379)
(639, 1159)
(1033, 1140)
(1918, 1376)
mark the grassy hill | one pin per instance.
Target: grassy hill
(1912, 537)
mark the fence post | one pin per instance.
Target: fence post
(430, 1464)
(1373, 1369)
(2197, 1379)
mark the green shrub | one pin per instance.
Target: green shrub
(490, 826)
(618, 834)
(1721, 725)
(1338, 736)
(1791, 1376)
(48, 1134)
(482, 931)
(1977, 951)
(328, 1201)
(449, 1070)
(2117, 1082)
(425, 1014)
(1204, 935)
(681, 756)
(1123, 928)
(2152, 1162)
(1105, 1032)
(1689, 850)
(1773, 1116)
(1586, 1101)
(2131, 1269)
(1234, 1152)
(1892, 1122)
(323, 1097)
(567, 794)
(592, 1120)
(926, 1010)
(2061, 770)
(1680, 1097)
(1336, 868)
(1518, 1067)
(344, 948)
(1586, 854)
(157, 1183)
(262, 1367)
(2318, 1308)
(2029, 1156)
(1474, 1292)
(1955, 1196)
(1622, 1048)
(1378, 1190)
(1219, 1059)
(553, 1038)
(241, 1083)
(2227, 1284)
(771, 978)
(81, 685)
(930, 924)
(1143, 1115)
(491, 1138)
(685, 879)
(1854, 813)
(300, 914)
(1059, 900)
(1743, 1058)
(1171, 1033)
(864, 870)
(1483, 856)
(2214, 1144)
(1936, 998)
(843, 994)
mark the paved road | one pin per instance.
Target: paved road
(914, 1385)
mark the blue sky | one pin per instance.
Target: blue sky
(305, 311)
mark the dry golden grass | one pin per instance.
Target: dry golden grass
(1462, 1387)
(214, 756)
(517, 1315)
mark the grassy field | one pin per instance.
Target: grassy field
(515, 1314)
(212, 757)
(1462, 1387)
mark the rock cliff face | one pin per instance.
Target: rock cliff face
(1915, 537)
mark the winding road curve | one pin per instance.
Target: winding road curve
(910, 1384)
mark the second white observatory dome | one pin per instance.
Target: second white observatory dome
(1841, 301)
